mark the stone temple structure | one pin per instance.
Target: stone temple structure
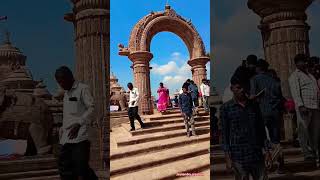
(138, 50)
(10, 58)
(25, 103)
(90, 19)
(114, 84)
(118, 94)
(285, 33)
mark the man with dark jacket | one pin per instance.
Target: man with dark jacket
(186, 106)
(193, 89)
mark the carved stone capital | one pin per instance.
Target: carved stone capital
(89, 13)
(140, 57)
(80, 5)
(198, 62)
(266, 8)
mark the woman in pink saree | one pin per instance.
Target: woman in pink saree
(163, 98)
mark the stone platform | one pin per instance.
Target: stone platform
(162, 150)
(296, 168)
(34, 168)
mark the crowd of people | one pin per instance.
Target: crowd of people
(252, 115)
(187, 101)
(199, 97)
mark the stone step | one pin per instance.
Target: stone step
(304, 175)
(164, 128)
(201, 175)
(169, 171)
(284, 144)
(175, 115)
(125, 141)
(148, 147)
(28, 164)
(177, 110)
(119, 113)
(293, 165)
(119, 116)
(149, 160)
(29, 174)
(218, 157)
(116, 122)
(54, 177)
(155, 123)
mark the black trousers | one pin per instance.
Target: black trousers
(133, 114)
(74, 162)
(273, 123)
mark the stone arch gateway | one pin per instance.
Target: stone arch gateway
(138, 50)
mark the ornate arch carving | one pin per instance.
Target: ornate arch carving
(169, 21)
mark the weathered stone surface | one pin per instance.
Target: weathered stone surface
(118, 95)
(285, 33)
(91, 24)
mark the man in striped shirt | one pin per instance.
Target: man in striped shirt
(305, 93)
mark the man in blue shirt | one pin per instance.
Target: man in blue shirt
(186, 105)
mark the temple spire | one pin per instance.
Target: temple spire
(167, 5)
(7, 37)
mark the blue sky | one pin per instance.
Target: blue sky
(39, 30)
(169, 51)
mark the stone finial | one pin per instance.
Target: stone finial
(7, 38)
(167, 7)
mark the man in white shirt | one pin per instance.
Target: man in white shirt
(305, 93)
(133, 106)
(205, 92)
(78, 105)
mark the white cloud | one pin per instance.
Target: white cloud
(174, 73)
(176, 54)
(168, 68)
(177, 64)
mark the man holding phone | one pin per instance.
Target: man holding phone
(133, 106)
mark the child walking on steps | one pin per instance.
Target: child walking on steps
(186, 107)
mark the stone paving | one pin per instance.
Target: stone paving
(162, 150)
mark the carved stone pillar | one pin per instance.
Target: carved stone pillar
(198, 68)
(141, 71)
(91, 24)
(284, 33)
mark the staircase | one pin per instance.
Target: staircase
(294, 165)
(162, 150)
(30, 168)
